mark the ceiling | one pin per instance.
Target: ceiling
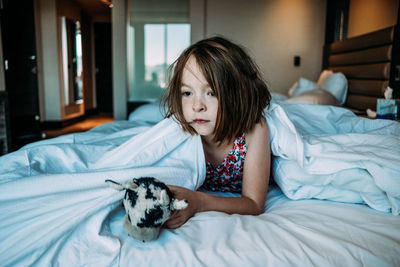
(95, 7)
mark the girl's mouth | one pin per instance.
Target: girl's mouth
(200, 121)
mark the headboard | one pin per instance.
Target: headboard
(366, 62)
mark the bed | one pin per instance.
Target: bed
(356, 72)
(55, 208)
(334, 198)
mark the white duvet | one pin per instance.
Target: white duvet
(54, 201)
(327, 152)
(55, 208)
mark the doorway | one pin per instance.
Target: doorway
(103, 65)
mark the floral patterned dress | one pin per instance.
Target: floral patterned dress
(227, 177)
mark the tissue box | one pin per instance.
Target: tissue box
(387, 108)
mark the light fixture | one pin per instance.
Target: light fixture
(107, 2)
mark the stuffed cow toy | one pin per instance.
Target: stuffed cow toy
(148, 204)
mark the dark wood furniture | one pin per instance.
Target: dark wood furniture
(5, 140)
(370, 63)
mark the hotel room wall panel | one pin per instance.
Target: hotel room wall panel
(367, 87)
(373, 55)
(366, 61)
(377, 38)
(360, 102)
(370, 71)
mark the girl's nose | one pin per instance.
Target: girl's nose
(198, 105)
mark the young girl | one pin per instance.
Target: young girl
(216, 91)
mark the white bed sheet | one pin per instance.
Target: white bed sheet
(289, 233)
(54, 199)
(56, 210)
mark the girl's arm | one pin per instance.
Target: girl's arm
(254, 188)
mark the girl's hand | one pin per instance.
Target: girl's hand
(179, 217)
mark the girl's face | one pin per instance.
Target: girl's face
(199, 103)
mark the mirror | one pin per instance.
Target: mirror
(72, 61)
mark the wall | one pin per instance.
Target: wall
(49, 81)
(119, 59)
(371, 15)
(274, 31)
(197, 13)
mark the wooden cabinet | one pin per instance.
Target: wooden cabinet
(20, 72)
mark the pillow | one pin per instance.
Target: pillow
(302, 86)
(336, 84)
(292, 88)
(322, 77)
(151, 112)
(278, 96)
(317, 96)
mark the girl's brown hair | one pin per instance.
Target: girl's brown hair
(235, 79)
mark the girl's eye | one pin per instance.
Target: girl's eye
(186, 93)
(210, 93)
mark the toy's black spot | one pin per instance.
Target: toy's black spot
(131, 196)
(150, 217)
(147, 181)
(149, 194)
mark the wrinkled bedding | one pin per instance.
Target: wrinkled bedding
(327, 152)
(55, 208)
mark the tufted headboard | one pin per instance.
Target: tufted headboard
(367, 63)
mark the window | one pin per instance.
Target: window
(163, 44)
(158, 32)
(336, 20)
